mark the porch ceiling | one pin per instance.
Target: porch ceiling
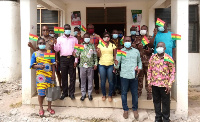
(101, 1)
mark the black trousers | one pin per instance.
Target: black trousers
(159, 95)
(67, 67)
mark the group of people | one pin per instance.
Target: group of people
(123, 73)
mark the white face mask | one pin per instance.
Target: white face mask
(160, 50)
(105, 39)
(143, 32)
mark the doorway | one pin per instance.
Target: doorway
(108, 18)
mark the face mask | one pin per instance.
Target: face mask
(75, 33)
(52, 35)
(105, 39)
(120, 35)
(127, 44)
(67, 32)
(161, 29)
(143, 32)
(86, 40)
(133, 32)
(115, 36)
(90, 31)
(42, 46)
(160, 50)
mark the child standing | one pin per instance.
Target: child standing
(88, 63)
(45, 73)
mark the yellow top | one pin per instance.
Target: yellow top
(106, 54)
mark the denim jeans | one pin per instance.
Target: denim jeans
(106, 71)
(133, 85)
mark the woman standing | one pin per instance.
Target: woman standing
(106, 64)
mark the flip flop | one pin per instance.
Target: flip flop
(41, 113)
(51, 111)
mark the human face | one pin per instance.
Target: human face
(127, 42)
(90, 29)
(51, 33)
(127, 39)
(160, 48)
(106, 38)
(45, 31)
(143, 30)
(41, 44)
(133, 29)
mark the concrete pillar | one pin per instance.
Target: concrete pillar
(179, 24)
(10, 41)
(28, 11)
(151, 21)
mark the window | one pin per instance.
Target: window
(193, 39)
(48, 18)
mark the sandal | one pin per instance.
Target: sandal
(51, 111)
(41, 113)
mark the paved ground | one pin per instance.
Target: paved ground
(12, 110)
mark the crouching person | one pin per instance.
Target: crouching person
(129, 58)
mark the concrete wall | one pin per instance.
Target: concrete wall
(194, 59)
(10, 59)
(135, 5)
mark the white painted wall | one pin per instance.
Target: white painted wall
(10, 59)
(135, 5)
(194, 59)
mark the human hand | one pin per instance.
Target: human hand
(73, 53)
(116, 62)
(53, 77)
(155, 31)
(98, 50)
(75, 64)
(55, 41)
(168, 89)
(30, 44)
(41, 66)
(79, 33)
(95, 67)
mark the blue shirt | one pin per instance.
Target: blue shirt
(129, 63)
(166, 38)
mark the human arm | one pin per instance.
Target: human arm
(95, 58)
(117, 61)
(139, 62)
(31, 46)
(98, 50)
(151, 44)
(149, 72)
(57, 45)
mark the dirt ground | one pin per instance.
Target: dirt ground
(12, 110)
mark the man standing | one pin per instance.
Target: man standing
(145, 53)
(161, 72)
(163, 35)
(65, 44)
(94, 39)
(127, 74)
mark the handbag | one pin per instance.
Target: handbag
(53, 92)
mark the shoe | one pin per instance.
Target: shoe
(97, 91)
(149, 96)
(114, 93)
(110, 98)
(51, 111)
(41, 113)
(125, 115)
(136, 115)
(63, 96)
(72, 97)
(103, 98)
(83, 98)
(90, 97)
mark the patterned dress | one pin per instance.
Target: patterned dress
(43, 77)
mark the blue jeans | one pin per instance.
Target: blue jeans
(133, 85)
(106, 71)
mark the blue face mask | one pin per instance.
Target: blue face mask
(133, 32)
(115, 36)
(42, 46)
(67, 32)
(86, 40)
(161, 29)
(120, 35)
(75, 33)
(127, 44)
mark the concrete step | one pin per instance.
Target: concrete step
(143, 103)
